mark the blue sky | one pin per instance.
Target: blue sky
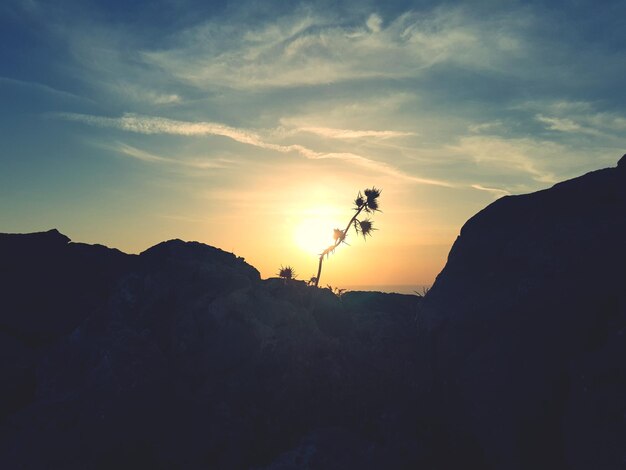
(245, 124)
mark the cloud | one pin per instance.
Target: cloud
(352, 134)
(575, 117)
(143, 94)
(40, 88)
(374, 23)
(142, 155)
(495, 191)
(350, 113)
(566, 125)
(582, 118)
(383, 168)
(583, 138)
(199, 163)
(159, 125)
(559, 124)
(513, 156)
(485, 127)
(309, 48)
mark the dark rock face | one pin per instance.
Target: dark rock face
(182, 357)
(50, 285)
(525, 328)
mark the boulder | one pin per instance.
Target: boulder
(524, 328)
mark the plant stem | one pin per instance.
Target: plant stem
(334, 246)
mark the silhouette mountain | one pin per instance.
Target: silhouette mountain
(525, 328)
(183, 357)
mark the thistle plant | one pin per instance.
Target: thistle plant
(287, 273)
(368, 203)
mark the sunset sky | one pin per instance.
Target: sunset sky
(252, 125)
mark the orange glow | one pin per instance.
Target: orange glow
(314, 234)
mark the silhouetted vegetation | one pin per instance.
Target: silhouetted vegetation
(336, 290)
(363, 203)
(287, 273)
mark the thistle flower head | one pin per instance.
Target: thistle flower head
(359, 201)
(365, 227)
(287, 272)
(371, 202)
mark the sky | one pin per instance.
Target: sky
(252, 125)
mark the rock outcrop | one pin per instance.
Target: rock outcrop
(182, 357)
(525, 328)
(50, 285)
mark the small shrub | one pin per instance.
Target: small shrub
(287, 273)
(335, 290)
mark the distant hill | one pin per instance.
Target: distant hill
(183, 357)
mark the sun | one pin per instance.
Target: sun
(314, 233)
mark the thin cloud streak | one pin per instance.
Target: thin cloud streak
(383, 168)
(495, 191)
(43, 88)
(158, 125)
(352, 134)
(144, 156)
(565, 125)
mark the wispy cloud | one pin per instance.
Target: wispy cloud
(144, 156)
(577, 117)
(308, 49)
(374, 23)
(490, 126)
(495, 191)
(158, 125)
(139, 93)
(559, 124)
(566, 125)
(352, 134)
(42, 88)
(383, 168)
(513, 156)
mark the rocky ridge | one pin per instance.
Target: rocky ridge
(182, 357)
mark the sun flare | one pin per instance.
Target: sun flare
(314, 234)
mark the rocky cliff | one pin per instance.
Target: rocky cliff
(182, 357)
(525, 328)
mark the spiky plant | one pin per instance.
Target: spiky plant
(287, 273)
(366, 202)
